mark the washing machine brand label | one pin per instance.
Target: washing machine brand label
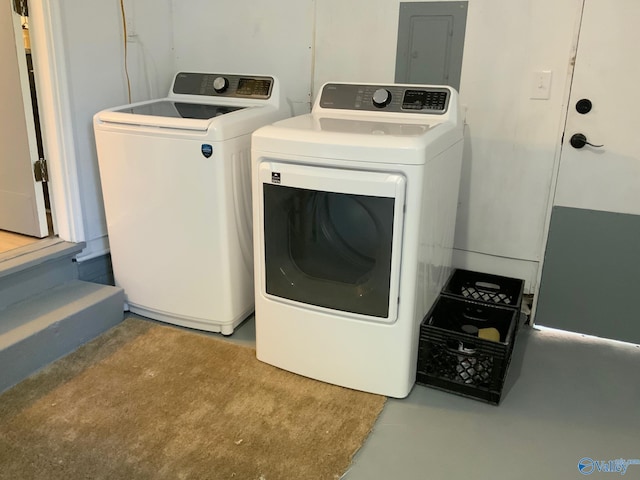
(275, 177)
(207, 150)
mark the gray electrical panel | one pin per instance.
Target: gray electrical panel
(431, 43)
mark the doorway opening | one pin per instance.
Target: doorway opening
(11, 240)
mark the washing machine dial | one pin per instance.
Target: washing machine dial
(220, 84)
(381, 97)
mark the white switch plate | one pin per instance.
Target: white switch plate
(541, 85)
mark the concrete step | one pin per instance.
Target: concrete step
(40, 329)
(35, 268)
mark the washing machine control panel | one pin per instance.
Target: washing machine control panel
(222, 85)
(389, 98)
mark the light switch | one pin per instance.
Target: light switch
(541, 85)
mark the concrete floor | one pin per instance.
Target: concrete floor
(567, 397)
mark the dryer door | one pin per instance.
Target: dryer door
(331, 238)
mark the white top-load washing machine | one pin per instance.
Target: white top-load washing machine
(354, 211)
(176, 182)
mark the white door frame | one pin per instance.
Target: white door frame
(558, 152)
(22, 196)
(48, 51)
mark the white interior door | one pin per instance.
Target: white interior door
(22, 207)
(589, 277)
(607, 73)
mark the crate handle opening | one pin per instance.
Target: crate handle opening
(460, 348)
(488, 287)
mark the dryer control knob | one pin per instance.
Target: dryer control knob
(220, 84)
(381, 97)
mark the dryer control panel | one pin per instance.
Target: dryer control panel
(388, 98)
(222, 85)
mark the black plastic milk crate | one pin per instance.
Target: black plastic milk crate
(485, 288)
(451, 355)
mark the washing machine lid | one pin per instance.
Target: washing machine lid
(173, 109)
(169, 114)
(222, 105)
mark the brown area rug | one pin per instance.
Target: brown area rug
(145, 401)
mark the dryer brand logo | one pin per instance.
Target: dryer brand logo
(207, 150)
(275, 177)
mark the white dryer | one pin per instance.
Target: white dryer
(354, 211)
(176, 182)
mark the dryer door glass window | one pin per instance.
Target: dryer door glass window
(329, 249)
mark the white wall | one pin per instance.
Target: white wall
(252, 37)
(355, 41)
(95, 73)
(509, 164)
(93, 51)
(151, 50)
(511, 140)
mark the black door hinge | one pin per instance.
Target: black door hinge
(21, 8)
(40, 171)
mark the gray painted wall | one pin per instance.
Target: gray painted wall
(590, 275)
(97, 270)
